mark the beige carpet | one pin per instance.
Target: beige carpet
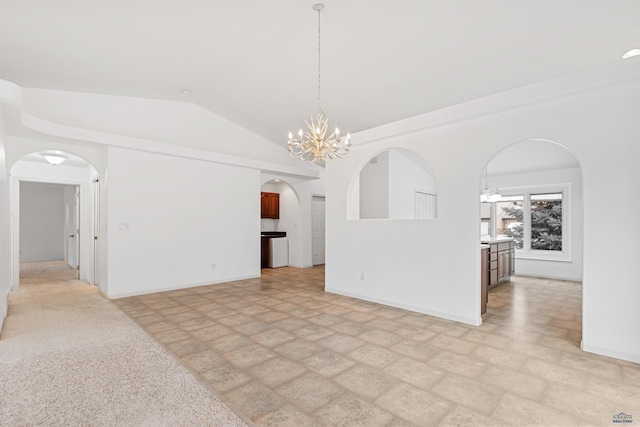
(68, 356)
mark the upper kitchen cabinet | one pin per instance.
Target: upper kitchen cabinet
(270, 205)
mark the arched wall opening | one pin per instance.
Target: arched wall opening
(534, 203)
(289, 217)
(74, 186)
(542, 178)
(395, 183)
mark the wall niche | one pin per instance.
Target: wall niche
(397, 184)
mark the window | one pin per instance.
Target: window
(508, 218)
(536, 218)
(510, 211)
(546, 222)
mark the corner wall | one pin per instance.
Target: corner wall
(433, 266)
(5, 229)
(171, 219)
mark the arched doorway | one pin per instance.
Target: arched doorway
(58, 192)
(531, 218)
(283, 226)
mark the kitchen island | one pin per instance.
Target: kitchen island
(501, 262)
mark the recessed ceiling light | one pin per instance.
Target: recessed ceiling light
(631, 53)
(185, 92)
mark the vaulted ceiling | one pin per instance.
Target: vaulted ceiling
(254, 62)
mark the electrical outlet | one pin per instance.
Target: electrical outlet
(213, 266)
(362, 277)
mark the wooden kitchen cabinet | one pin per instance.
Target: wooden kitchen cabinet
(501, 262)
(504, 265)
(269, 205)
(484, 280)
(512, 257)
(264, 252)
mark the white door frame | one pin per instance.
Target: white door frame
(313, 224)
(95, 230)
(86, 260)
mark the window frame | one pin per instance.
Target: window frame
(538, 254)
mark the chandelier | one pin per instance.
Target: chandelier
(315, 145)
(489, 194)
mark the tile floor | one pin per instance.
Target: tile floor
(282, 352)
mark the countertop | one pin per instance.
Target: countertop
(272, 234)
(487, 240)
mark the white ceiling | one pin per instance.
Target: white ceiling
(254, 61)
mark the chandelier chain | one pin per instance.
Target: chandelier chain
(319, 106)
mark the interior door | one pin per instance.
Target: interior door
(77, 225)
(317, 229)
(73, 228)
(95, 229)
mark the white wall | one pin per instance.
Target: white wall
(170, 219)
(5, 229)
(179, 123)
(42, 222)
(405, 177)
(434, 266)
(374, 188)
(570, 269)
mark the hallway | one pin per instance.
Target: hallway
(68, 357)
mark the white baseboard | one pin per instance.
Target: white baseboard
(434, 313)
(629, 357)
(4, 308)
(543, 276)
(175, 288)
